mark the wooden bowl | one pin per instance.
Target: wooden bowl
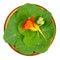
(7, 21)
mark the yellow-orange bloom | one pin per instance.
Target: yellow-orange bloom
(28, 23)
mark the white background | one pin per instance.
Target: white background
(6, 53)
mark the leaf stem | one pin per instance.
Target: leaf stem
(42, 33)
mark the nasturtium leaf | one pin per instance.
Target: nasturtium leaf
(49, 31)
(10, 34)
(42, 46)
(13, 24)
(20, 46)
(31, 42)
(10, 37)
(29, 10)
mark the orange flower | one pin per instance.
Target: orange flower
(28, 23)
